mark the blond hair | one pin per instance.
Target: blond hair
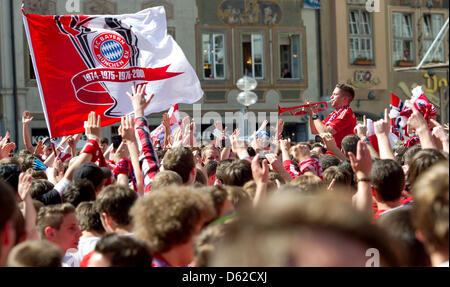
(430, 212)
(169, 216)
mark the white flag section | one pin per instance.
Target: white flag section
(158, 49)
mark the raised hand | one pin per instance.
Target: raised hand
(218, 125)
(235, 142)
(185, 122)
(310, 110)
(58, 170)
(166, 121)
(328, 139)
(6, 149)
(263, 126)
(92, 127)
(440, 133)
(438, 130)
(285, 144)
(255, 142)
(126, 129)
(362, 165)
(39, 148)
(416, 121)
(260, 174)
(382, 127)
(3, 141)
(361, 129)
(71, 143)
(177, 138)
(26, 118)
(274, 161)
(279, 130)
(24, 186)
(362, 162)
(7, 136)
(331, 145)
(121, 152)
(138, 100)
(63, 142)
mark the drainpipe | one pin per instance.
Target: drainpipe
(14, 75)
(319, 25)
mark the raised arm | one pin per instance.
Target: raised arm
(238, 146)
(418, 124)
(93, 131)
(382, 130)
(362, 165)
(26, 120)
(361, 131)
(6, 148)
(167, 130)
(316, 125)
(331, 145)
(261, 177)
(439, 133)
(128, 136)
(30, 215)
(277, 166)
(150, 164)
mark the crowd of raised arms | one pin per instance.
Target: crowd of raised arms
(264, 202)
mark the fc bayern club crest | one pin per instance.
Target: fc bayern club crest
(111, 50)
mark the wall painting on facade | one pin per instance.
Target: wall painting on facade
(250, 12)
(432, 85)
(364, 79)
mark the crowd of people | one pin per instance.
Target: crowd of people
(332, 201)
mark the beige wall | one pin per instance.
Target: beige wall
(387, 79)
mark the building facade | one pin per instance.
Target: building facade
(377, 51)
(297, 50)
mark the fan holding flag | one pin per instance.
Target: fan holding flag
(400, 113)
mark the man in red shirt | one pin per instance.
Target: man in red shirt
(340, 122)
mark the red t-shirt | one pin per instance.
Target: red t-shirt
(343, 121)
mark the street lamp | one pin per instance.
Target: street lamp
(246, 97)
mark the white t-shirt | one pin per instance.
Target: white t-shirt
(73, 257)
(86, 245)
(445, 264)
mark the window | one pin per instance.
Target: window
(432, 24)
(289, 55)
(213, 49)
(403, 29)
(361, 37)
(252, 55)
(31, 74)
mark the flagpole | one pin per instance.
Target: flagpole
(433, 44)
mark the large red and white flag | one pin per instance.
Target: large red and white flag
(88, 63)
